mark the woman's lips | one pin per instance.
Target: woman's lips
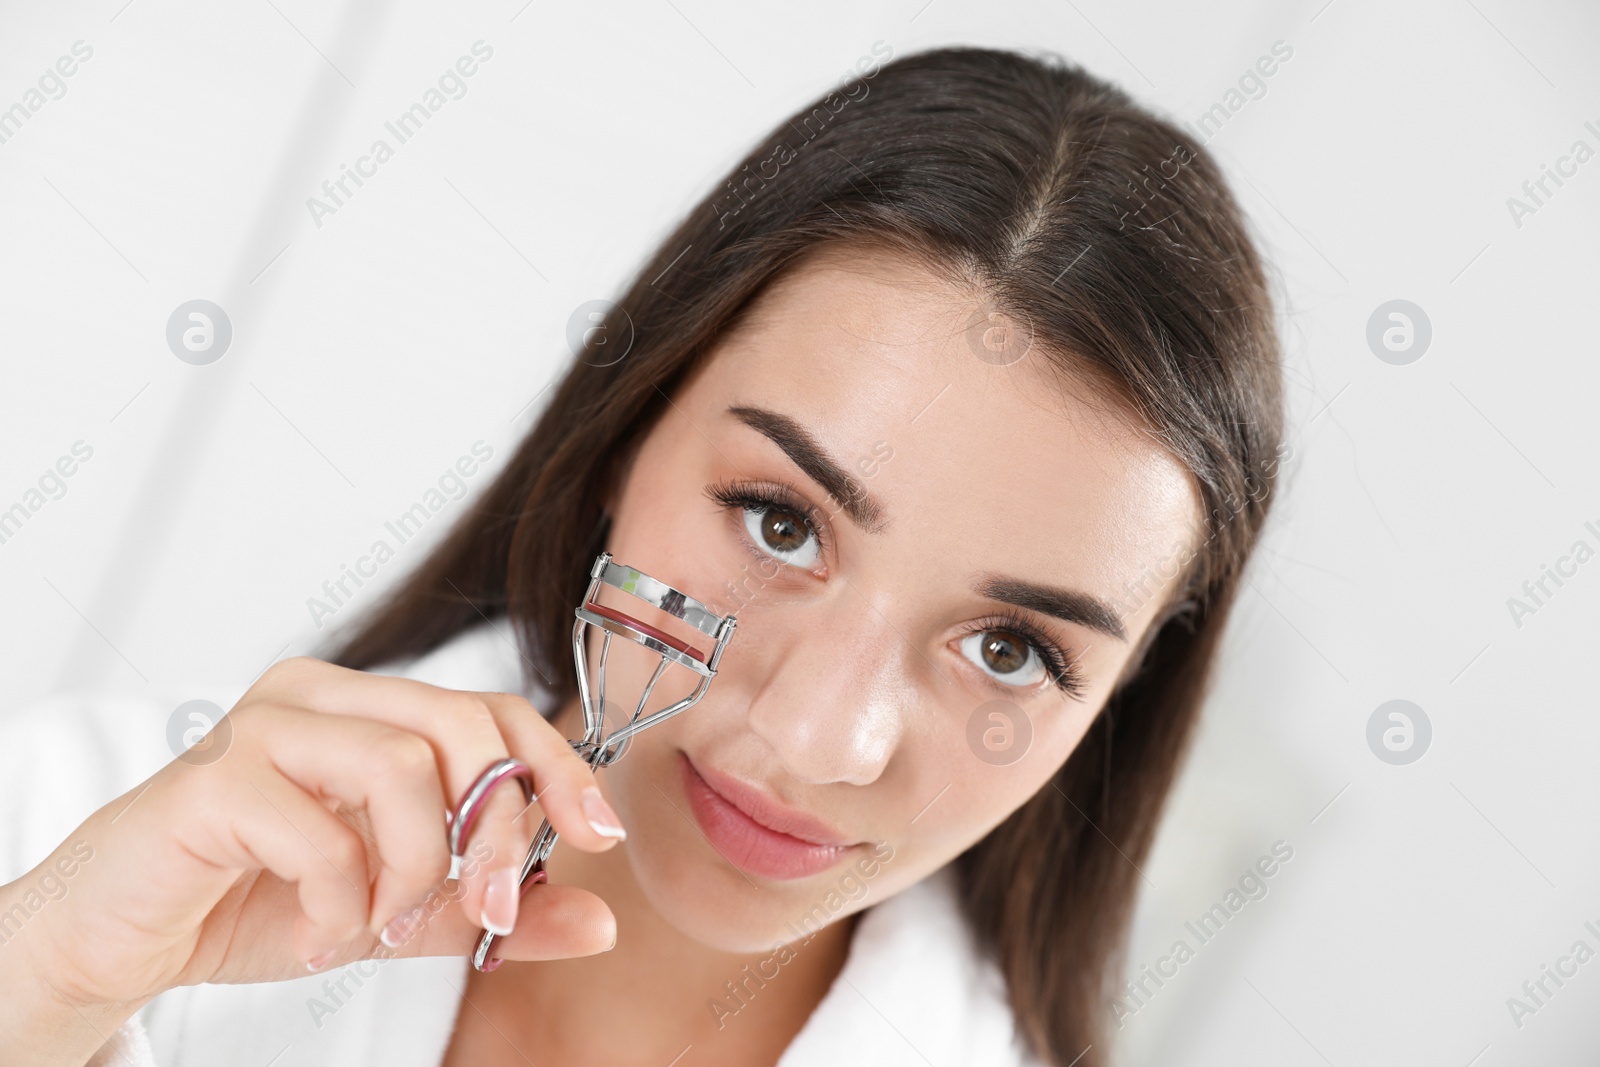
(727, 814)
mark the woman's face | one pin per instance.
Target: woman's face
(940, 564)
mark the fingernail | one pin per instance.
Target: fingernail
(316, 963)
(399, 929)
(500, 901)
(600, 815)
(613, 941)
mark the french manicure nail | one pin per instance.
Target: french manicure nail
(398, 930)
(316, 963)
(600, 815)
(500, 901)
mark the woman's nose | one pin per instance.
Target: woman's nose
(838, 685)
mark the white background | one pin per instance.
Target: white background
(370, 353)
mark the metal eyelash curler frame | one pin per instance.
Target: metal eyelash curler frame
(597, 748)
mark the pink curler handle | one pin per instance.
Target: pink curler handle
(466, 813)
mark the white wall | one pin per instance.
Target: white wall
(372, 351)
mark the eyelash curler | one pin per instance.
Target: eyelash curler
(598, 748)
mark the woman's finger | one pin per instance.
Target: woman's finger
(274, 824)
(466, 739)
(444, 715)
(389, 773)
(554, 922)
(565, 785)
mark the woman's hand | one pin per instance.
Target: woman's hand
(321, 822)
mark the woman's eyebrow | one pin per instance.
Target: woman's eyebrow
(1064, 604)
(807, 454)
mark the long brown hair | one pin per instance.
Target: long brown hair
(1111, 236)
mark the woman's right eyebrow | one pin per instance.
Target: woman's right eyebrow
(808, 454)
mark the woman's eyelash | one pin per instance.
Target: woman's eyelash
(1063, 671)
(753, 496)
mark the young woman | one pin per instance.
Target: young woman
(963, 393)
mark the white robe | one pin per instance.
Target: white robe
(913, 990)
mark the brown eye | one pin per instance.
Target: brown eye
(784, 533)
(1003, 652)
(1007, 656)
